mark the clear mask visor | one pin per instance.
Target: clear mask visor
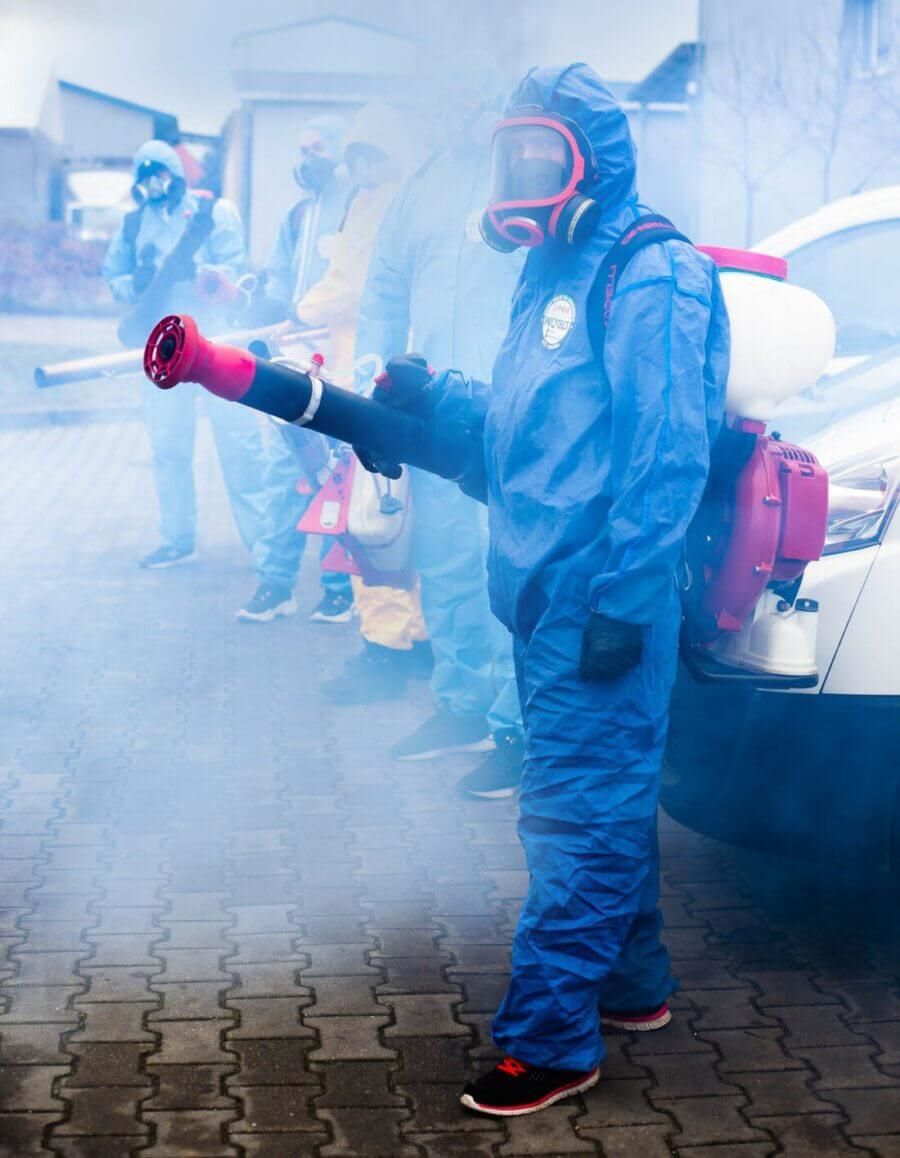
(532, 165)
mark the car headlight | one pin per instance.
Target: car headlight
(862, 494)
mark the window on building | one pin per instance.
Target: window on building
(857, 272)
(869, 29)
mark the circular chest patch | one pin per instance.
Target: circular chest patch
(558, 320)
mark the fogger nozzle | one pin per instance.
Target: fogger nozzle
(177, 352)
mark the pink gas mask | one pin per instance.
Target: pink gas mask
(540, 162)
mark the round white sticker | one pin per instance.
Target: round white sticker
(558, 320)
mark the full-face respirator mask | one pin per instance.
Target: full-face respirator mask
(541, 162)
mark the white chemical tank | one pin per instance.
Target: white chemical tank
(782, 336)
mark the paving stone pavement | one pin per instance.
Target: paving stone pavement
(230, 925)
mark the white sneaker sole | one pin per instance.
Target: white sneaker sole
(344, 617)
(489, 794)
(497, 1112)
(289, 607)
(169, 563)
(485, 745)
(638, 1026)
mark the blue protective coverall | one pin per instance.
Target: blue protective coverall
(298, 260)
(433, 282)
(171, 414)
(594, 472)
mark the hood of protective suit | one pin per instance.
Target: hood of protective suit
(576, 92)
(331, 129)
(380, 125)
(160, 153)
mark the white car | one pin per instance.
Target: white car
(817, 773)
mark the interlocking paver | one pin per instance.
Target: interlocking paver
(810, 1136)
(20, 1134)
(423, 1015)
(30, 1088)
(348, 1038)
(366, 1133)
(198, 1133)
(107, 1064)
(358, 1084)
(704, 1121)
(553, 1131)
(97, 1111)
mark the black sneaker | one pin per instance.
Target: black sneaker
(421, 661)
(267, 604)
(333, 608)
(513, 1088)
(499, 775)
(444, 733)
(374, 674)
(165, 557)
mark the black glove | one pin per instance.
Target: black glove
(145, 271)
(403, 386)
(609, 648)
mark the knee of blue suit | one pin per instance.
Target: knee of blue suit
(595, 467)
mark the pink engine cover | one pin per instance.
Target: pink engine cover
(775, 525)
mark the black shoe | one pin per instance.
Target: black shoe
(374, 674)
(421, 661)
(165, 557)
(499, 775)
(333, 608)
(514, 1088)
(267, 604)
(444, 733)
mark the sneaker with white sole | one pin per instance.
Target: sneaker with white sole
(444, 733)
(332, 608)
(513, 1088)
(268, 603)
(499, 775)
(375, 674)
(638, 1021)
(165, 556)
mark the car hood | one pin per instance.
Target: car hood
(870, 429)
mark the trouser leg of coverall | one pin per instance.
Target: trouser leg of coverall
(389, 616)
(171, 422)
(593, 753)
(451, 568)
(505, 713)
(281, 545)
(242, 458)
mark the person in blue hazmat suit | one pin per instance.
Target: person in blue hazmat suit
(432, 277)
(298, 261)
(594, 458)
(136, 251)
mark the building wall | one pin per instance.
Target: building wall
(666, 180)
(26, 174)
(794, 110)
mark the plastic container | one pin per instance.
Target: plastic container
(782, 336)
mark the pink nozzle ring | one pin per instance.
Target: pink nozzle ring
(176, 352)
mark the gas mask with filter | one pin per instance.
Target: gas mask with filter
(541, 162)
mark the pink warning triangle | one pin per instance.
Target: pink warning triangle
(327, 513)
(339, 558)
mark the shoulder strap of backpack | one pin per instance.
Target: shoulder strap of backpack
(131, 225)
(650, 229)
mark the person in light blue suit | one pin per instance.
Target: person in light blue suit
(432, 281)
(145, 238)
(297, 261)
